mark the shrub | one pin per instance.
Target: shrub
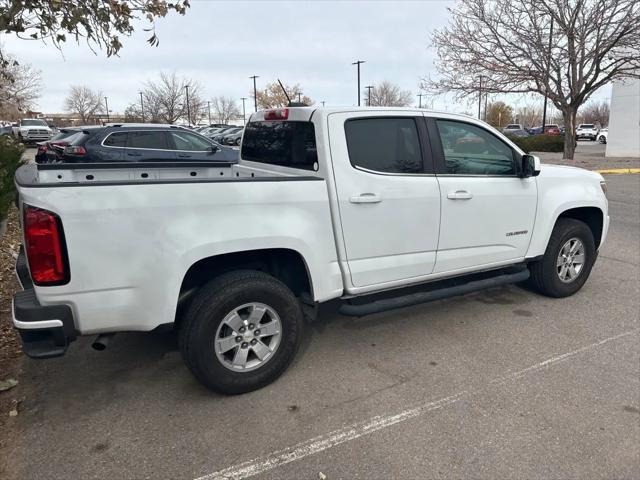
(540, 143)
(10, 159)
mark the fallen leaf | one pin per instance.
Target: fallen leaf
(8, 384)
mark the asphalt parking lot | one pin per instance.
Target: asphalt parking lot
(498, 384)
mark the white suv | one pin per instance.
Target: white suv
(587, 130)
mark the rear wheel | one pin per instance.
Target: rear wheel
(567, 261)
(241, 332)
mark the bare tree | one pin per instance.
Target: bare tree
(504, 46)
(529, 116)
(225, 109)
(165, 99)
(19, 86)
(273, 96)
(595, 112)
(389, 95)
(84, 102)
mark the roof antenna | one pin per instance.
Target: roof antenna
(285, 92)
(290, 103)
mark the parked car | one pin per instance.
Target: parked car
(552, 129)
(7, 130)
(219, 137)
(511, 127)
(144, 143)
(233, 138)
(238, 256)
(603, 135)
(516, 133)
(32, 130)
(51, 151)
(587, 130)
(535, 131)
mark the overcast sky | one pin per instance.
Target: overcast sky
(220, 44)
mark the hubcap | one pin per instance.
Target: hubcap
(570, 260)
(248, 337)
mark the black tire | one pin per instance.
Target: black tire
(544, 273)
(208, 309)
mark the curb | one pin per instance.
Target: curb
(618, 170)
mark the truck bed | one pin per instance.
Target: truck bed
(74, 174)
(132, 232)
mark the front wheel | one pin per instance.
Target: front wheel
(241, 332)
(567, 261)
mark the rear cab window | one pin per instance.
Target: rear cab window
(283, 143)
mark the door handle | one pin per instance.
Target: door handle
(459, 195)
(366, 198)
(184, 155)
(134, 154)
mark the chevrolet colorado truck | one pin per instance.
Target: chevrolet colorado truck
(377, 208)
(31, 130)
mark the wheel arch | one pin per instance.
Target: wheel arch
(284, 264)
(592, 216)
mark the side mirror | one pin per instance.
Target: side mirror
(530, 166)
(214, 149)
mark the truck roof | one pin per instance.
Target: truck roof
(305, 113)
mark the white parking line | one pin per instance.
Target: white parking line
(357, 430)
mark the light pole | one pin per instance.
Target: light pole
(544, 109)
(480, 99)
(486, 95)
(369, 87)
(106, 105)
(244, 115)
(420, 100)
(186, 87)
(357, 63)
(142, 106)
(299, 97)
(209, 110)
(322, 103)
(255, 92)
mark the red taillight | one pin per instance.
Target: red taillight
(279, 114)
(75, 150)
(42, 149)
(44, 241)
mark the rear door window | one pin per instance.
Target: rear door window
(155, 140)
(118, 139)
(387, 145)
(289, 144)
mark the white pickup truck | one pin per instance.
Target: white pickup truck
(32, 130)
(351, 204)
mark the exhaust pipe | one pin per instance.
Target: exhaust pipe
(102, 341)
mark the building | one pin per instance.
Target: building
(624, 120)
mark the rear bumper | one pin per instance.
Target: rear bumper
(46, 331)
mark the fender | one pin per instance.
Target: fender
(559, 189)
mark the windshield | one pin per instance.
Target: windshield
(33, 123)
(586, 125)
